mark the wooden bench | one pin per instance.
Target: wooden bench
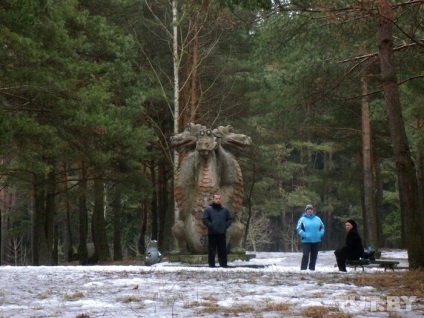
(358, 262)
(366, 262)
(386, 264)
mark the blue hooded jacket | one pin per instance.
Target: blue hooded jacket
(310, 228)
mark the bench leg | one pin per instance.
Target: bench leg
(363, 268)
(391, 266)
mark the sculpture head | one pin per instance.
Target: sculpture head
(206, 142)
(186, 140)
(229, 139)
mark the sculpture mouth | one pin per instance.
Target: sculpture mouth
(238, 141)
(183, 142)
(204, 153)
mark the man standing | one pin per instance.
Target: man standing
(217, 219)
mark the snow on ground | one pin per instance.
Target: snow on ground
(270, 285)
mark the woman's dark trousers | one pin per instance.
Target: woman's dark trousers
(341, 260)
(217, 242)
(310, 255)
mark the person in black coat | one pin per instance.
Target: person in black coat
(217, 219)
(353, 250)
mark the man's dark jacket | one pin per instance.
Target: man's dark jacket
(216, 218)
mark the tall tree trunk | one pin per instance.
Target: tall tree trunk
(50, 217)
(249, 206)
(420, 177)
(143, 222)
(420, 168)
(370, 215)
(359, 167)
(328, 215)
(117, 225)
(1, 231)
(8, 198)
(412, 216)
(41, 253)
(153, 202)
(176, 60)
(378, 199)
(83, 213)
(68, 251)
(194, 67)
(163, 205)
(101, 245)
(43, 219)
(5, 206)
(55, 252)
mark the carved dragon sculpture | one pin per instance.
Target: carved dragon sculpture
(207, 167)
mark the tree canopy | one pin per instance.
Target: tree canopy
(86, 112)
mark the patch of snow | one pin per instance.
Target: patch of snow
(178, 290)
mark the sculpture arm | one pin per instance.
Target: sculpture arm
(228, 220)
(184, 185)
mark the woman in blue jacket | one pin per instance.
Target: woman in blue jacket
(311, 230)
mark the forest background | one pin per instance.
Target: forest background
(331, 93)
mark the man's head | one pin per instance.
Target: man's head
(217, 198)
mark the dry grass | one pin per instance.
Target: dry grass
(206, 306)
(74, 296)
(276, 307)
(316, 312)
(338, 315)
(239, 310)
(130, 299)
(324, 312)
(211, 307)
(236, 310)
(210, 298)
(391, 283)
(43, 296)
(394, 283)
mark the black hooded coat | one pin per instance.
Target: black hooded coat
(353, 248)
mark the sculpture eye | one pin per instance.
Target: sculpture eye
(208, 132)
(202, 133)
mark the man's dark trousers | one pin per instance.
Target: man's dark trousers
(217, 242)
